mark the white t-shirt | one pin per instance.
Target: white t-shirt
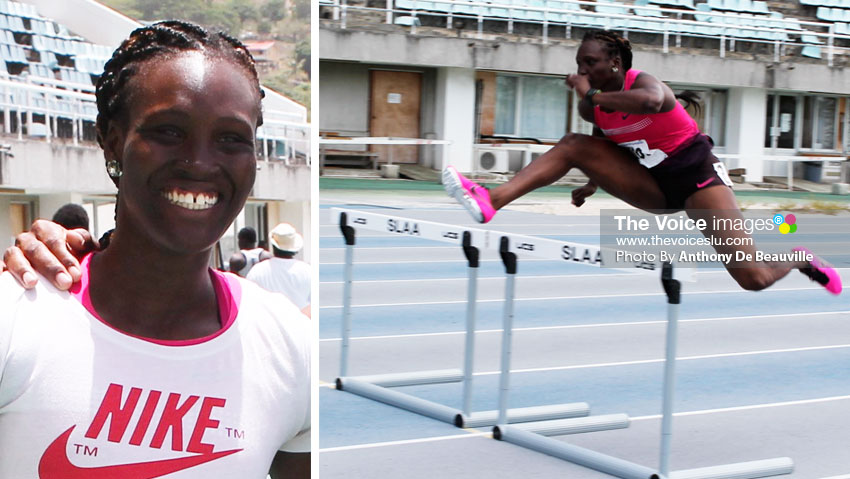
(81, 399)
(252, 257)
(284, 275)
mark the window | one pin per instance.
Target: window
(531, 106)
(819, 123)
(802, 122)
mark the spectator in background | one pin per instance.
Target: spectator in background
(72, 216)
(248, 255)
(283, 273)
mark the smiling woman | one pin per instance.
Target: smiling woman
(153, 363)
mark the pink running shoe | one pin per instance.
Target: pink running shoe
(821, 272)
(474, 197)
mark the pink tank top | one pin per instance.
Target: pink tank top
(661, 131)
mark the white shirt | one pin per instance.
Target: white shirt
(252, 257)
(284, 275)
(78, 398)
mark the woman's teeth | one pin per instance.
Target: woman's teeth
(192, 201)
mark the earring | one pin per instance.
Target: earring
(113, 168)
(615, 69)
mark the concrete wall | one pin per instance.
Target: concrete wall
(6, 237)
(745, 131)
(55, 168)
(278, 182)
(401, 49)
(48, 204)
(344, 92)
(454, 121)
(457, 59)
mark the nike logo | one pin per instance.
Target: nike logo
(55, 464)
(626, 115)
(704, 183)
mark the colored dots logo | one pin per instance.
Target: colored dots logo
(787, 224)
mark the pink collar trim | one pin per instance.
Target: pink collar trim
(228, 293)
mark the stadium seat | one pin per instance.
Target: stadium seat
(463, 7)
(811, 51)
(812, 39)
(702, 17)
(647, 11)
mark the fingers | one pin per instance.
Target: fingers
(80, 241)
(20, 267)
(59, 240)
(48, 255)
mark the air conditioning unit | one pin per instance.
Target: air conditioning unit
(491, 160)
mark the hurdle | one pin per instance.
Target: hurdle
(376, 387)
(535, 436)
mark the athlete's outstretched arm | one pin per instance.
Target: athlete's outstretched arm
(290, 465)
(49, 249)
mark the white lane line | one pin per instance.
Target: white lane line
(542, 234)
(555, 298)
(482, 278)
(492, 260)
(678, 358)
(746, 408)
(639, 418)
(407, 441)
(502, 278)
(661, 360)
(589, 326)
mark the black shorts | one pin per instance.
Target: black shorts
(688, 169)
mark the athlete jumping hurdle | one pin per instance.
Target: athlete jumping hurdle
(645, 150)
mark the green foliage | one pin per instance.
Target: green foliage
(274, 10)
(302, 10)
(268, 18)
(295, 90)
(302, 54)
(246, 11)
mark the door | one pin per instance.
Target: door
(394, 111)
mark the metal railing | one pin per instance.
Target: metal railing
(713, 25)
(24, 99)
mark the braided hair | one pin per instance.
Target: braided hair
(614, 44)
(164, 38)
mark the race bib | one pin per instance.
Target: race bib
(723, 173)
(647, 157)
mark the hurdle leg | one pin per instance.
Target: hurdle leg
(741, 470)
(349, 235)
(509, 259)
(472, 257)
(672, 288)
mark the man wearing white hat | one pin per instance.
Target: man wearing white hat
(283, 273)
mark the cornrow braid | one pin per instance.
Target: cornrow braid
(615, 45)
(161, 39)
